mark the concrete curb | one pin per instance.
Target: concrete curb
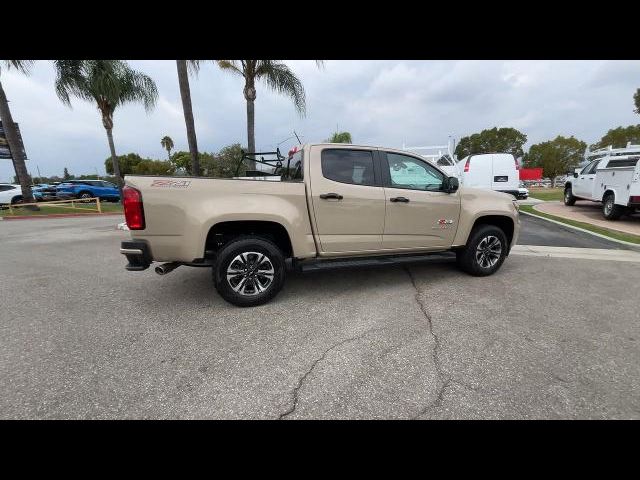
(634, 246)
(60, 215)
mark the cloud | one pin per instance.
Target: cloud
(379, 102)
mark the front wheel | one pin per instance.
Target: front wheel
(249, 271)
(85, 196)
(569, 199)
(485, 251)
(610, 210)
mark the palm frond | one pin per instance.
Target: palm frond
(23, 66)
(107, 82)
(167, 142)
(193, 66)
(280, 78)
(231, 65)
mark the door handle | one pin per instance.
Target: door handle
(399, 199)
(327, 196)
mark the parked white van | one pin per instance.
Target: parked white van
(494, 171)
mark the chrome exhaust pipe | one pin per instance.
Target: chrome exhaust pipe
(167, 267)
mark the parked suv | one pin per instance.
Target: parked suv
(88, 189)
(10, 193)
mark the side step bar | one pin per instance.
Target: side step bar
(321, 265)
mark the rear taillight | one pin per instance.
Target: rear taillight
(634, 199)
(133, 210)
(517, 164)
(466, 164)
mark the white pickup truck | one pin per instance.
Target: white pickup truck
(611, 177)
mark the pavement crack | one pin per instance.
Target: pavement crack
(443, 380)
(301, 380)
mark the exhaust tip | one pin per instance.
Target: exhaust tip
(167, 268)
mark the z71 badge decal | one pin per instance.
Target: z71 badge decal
(171, 183)
(442, 223)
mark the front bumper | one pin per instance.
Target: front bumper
(137, 253)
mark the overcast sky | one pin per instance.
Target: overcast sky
(379, 102)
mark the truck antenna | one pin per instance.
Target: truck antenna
(299, 141)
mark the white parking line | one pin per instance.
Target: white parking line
(572, 252)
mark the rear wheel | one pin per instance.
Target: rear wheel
(16, 200)
(610, 210)
(249, 271)
(485, 251)
(569, 199)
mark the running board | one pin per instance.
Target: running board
(321, 265)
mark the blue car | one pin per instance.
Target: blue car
(43, 192)
(88, 189)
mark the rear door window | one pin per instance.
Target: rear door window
(348, 166)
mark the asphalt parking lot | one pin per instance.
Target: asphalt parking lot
(83, 338)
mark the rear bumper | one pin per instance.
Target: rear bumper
(137, 253)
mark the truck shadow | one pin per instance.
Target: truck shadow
(193, 286)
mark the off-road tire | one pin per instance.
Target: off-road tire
(249, 294)
(569, 199)
(480, 260)
(610, 210)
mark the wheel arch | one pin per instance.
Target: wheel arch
(505, 223)
(608, 191)
(221, 233)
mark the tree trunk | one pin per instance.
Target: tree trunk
(114, 162)
(169, 154)
(185, 93)
(250, 97)
(16, 148)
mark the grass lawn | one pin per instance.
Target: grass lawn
(47, 209)
(547, 194)
(625, 237)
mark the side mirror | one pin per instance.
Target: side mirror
(575, 174)
(450, 185)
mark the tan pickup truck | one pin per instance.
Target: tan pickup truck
(338, 205)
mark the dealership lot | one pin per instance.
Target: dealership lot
(542, 338)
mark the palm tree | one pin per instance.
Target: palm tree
(11, 132)
(108, 83)
(340, 137)
(167, 144)
(276, 75)
(185, 93)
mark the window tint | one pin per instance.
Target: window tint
(408, 172)
(626, 162)
(589, 168)
(592, 168)
(348, 166)
(4, 188)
